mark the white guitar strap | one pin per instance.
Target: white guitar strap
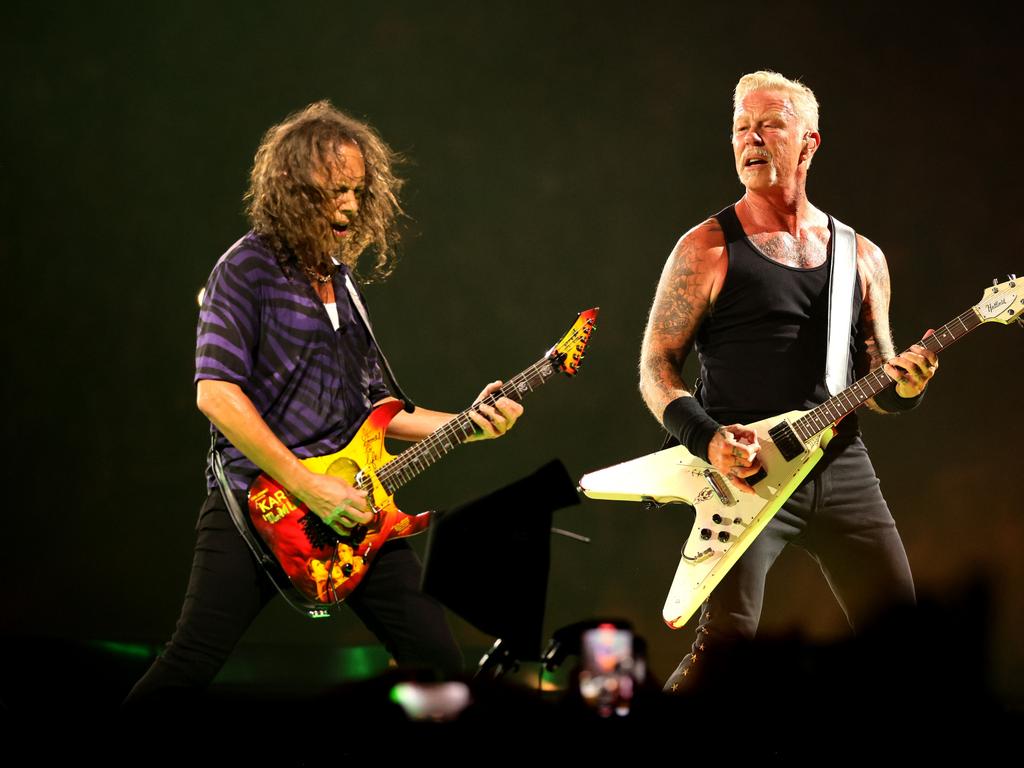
(842, 280)
(358, 303)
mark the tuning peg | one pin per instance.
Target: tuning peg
(995, 281)
(1013, 276)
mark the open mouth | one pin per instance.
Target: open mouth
(752, 161)
(339, 230)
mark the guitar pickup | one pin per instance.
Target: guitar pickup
(786, 440)
(720, 488)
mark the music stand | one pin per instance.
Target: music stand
(488, 560)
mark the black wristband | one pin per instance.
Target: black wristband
(689, 423)
(889, 400)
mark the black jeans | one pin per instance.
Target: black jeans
(839, 517)
(228, 588)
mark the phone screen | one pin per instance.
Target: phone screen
(609, 670)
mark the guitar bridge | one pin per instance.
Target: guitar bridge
(720, 488)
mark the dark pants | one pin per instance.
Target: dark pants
(839, 517)
(228, 589)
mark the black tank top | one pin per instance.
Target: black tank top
(762, 346)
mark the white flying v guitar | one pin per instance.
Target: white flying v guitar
(727, 520)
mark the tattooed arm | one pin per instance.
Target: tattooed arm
(688, 286)
(912, 369)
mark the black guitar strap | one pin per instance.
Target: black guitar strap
(269, 564)
(410, 406)
(842, 280)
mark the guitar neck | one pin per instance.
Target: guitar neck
(413, 460)
(829, 413)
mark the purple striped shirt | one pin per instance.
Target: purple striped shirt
(270, 334)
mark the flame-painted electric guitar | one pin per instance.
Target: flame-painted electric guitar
(324, 566)
(727, 520)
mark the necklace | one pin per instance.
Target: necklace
(314, 275)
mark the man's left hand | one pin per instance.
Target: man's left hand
(912, 370)
(493, 420)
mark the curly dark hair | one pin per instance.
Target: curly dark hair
(286, 205)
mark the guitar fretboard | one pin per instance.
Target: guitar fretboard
(837, 407)
(413, 460)
(409, 463)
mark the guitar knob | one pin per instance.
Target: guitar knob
(705, 533)
(347, 569)
(716, 519)
(723, 536)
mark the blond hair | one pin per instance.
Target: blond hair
(804, 102)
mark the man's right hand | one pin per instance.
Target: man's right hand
(335, 502)
(733, 452)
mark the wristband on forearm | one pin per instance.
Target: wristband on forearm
(889, 400)
(689, 423)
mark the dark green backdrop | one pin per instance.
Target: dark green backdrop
(557, 151)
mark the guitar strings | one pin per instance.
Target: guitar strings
(835, 409)
(417, 457)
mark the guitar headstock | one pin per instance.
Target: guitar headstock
(1002, 303)
(567, 354)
